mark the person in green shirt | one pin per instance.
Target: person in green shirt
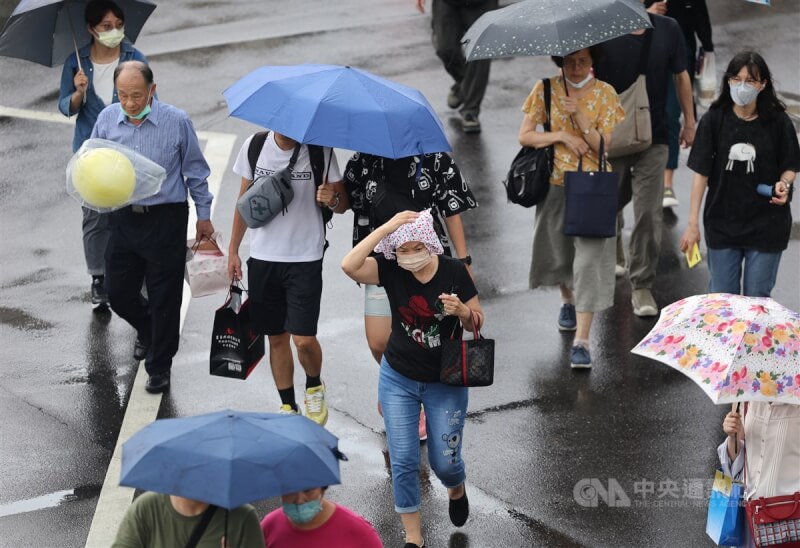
(155, 520)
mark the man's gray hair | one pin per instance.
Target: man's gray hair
(143, 69)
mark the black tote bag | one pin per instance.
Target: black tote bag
(590, 210)
(467, 363)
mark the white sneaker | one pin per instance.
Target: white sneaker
(643, 303)
(669, 198)
(620, 270)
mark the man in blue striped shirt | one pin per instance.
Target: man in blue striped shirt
(148, 238)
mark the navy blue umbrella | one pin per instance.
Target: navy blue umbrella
(47, 31)
(340, 107)
(230, 458)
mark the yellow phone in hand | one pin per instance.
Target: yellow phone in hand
(693, 255)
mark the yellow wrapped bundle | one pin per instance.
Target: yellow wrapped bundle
(104, 178)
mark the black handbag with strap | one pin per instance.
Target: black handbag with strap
(467, 363)
(528, 179)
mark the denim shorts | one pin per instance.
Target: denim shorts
(376, 302)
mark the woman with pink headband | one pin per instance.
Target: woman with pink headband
(429, 295)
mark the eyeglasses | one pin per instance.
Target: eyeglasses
(735, 81)
(106, 27)
(581, 63)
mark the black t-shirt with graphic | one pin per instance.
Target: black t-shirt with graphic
(737, 156)
(418, 321)
(620, 67)
(440, 187)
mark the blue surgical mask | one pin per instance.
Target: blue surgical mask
(744, 94)
(145, 110)
(582, 83)
(302, 513)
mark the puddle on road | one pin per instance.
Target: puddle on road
(34, 277)
(48, 501)
(20, 319)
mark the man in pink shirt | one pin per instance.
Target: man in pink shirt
(307, 519)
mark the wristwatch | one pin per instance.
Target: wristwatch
(337, 199)
(466, 260)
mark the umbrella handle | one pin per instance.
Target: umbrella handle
(74, 43)
(735, 409)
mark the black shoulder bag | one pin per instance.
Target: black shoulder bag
(528, 179)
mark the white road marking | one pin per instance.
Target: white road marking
(36, 503)
(142, 407)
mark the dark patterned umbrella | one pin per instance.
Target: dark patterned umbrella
(551, 27)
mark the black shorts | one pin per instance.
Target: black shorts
(284, 296)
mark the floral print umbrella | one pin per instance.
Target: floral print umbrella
(736, 348)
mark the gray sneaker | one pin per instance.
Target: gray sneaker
(454, 99)
(470, 123)
(643, 303)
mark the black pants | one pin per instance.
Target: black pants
(149, 247)
(449, 23)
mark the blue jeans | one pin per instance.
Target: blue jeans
(760, 271)
(445, 413)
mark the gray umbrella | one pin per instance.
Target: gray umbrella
(47, 31)
(551, 27)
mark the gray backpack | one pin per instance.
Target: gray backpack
(268, 195)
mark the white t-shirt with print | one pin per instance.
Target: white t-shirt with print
(297, 236)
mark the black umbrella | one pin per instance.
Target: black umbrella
(47, 31)
(551, 27)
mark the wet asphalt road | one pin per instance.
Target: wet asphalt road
(540, 430)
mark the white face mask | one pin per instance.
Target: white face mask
(582, 83)
(744, 94)
(111, 38)
(414, 261)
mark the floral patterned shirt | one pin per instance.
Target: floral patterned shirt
(601, 105)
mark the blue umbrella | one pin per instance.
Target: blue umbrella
(47, 31)
(230, 458)
(338, 107)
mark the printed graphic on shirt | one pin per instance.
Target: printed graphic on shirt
(421, 323)
(742, 152)
(296, 175)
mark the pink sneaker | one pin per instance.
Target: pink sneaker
(423, 432)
